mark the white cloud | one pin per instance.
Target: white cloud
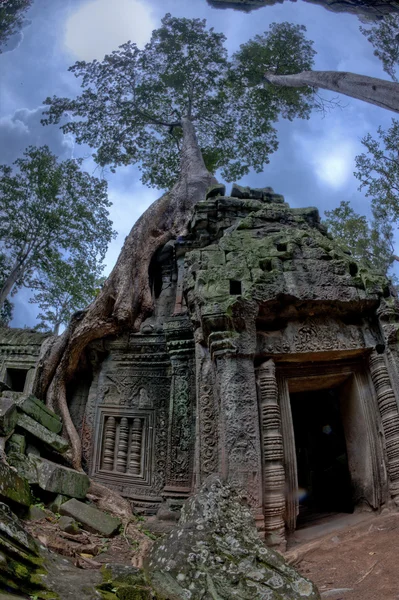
(331, 156)
(98, 27)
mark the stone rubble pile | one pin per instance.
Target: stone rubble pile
(33, 470)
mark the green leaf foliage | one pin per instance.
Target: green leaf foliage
(66, 287)
(49, 210)
(378, 171)
(370, 243)
(132, 103)
(384, 36)
(11, 17)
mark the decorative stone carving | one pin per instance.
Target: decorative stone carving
(179, 470)
(109, 444)
(273, 468)
(121, 459)
(135, 451)
(389, 417)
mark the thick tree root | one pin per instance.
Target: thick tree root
(125, 299)
(110, 501)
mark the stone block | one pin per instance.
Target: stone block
(36, 513)
(91, 518)
(25, 466)
(40, 432)
(68, 525)
(61, 480)
(36, 409)
(21, 566)
(215, 190)
(16, 443)
(56, 503)
(8, 415)
(13, 487)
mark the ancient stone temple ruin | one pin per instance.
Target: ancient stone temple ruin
(271, 358)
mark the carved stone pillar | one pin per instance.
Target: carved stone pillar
(181, 433)
(207, 416)
(273, 466)
(239, 437)
(389, 417)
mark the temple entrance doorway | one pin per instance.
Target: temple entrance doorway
(324, 481)
(333, 454)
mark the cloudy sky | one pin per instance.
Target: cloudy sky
(315, 161)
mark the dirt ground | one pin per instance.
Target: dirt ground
(354, 558)
(357, 562)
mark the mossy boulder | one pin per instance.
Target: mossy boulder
(215, 552)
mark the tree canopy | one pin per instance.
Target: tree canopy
(133, 101)
(11, 18)
(369, 243)
(66, 287)
(384, 36)
(50, 210)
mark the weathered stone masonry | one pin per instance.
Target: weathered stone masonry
(255, 306)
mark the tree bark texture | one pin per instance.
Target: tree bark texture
(369, 89)
(125, 299)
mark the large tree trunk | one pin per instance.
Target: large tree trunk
(370, 89)
(11, 280)
(125, 299)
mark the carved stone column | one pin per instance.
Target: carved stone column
(207, 416)
(273, 466)
(239, 438)
(181, 433)
(389, 417)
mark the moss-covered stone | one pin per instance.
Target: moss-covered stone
(8, 416)
(16, 443)
(40, 432)
(215, 552)
(13, 487)
(36, 409)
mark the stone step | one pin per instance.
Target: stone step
(51, 439)
(13, 487)
(91, 518)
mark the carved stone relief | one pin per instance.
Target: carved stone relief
(315, 335)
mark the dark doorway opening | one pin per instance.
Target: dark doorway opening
(16, 379)
(323, 474)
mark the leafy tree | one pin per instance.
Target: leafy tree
(133, 102)
(49, 209)
(372, 244)
(11, 17)
(164, 108)
(66, 287)
(384, 36)
(378, 172)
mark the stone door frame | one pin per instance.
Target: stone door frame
(295, 377)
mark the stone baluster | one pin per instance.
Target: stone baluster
(109, 444)
(121, 457)
(389, 418)
(273, 467)
(135, 447)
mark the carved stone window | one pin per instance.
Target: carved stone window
(124, 446)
